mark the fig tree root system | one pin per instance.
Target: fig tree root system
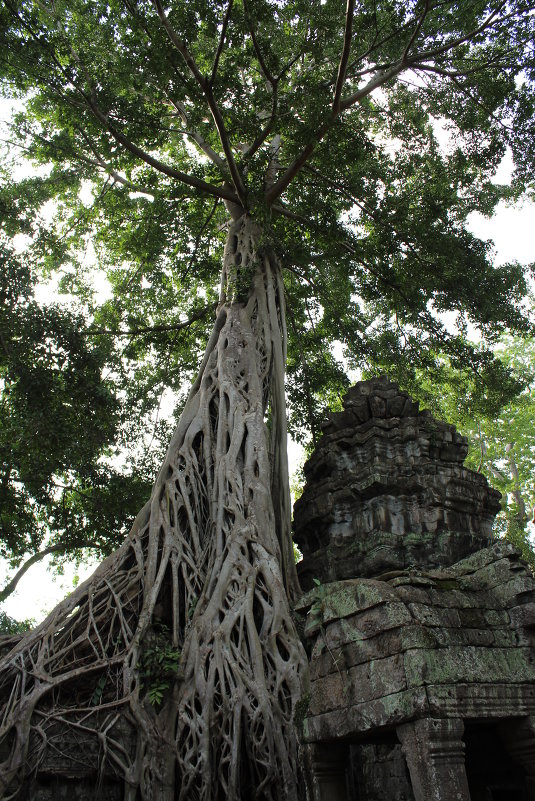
(176, 667)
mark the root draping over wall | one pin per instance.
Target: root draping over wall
(176, 667)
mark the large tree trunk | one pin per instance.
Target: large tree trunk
(207, 571)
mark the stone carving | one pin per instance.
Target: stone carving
(386, 489)
(421, 632)
(73, 769)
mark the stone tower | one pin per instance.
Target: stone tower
(386, 490)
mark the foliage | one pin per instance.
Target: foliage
(59, 422)
(501, 437)
(159, 664)
(10, 626)
(516, 533)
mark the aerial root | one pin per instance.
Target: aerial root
(204, 577)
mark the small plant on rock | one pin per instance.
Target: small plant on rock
(158, 667)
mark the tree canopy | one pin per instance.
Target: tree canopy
(142, 121)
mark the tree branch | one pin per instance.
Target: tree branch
(276, 189)
(221, 43)
(272, 81)
(366, 53)
(496, 473)
(199, 140)
(149, 329)
(448, 46)
(264, 133)
(287, 177)
(207, 90)
(263, 66)
(345, 192)
(416, 30)
(37, 557)
(379, 79)
(91, 103)
(189, 180)
(467, 93)
(426, 55)
(344, 58)
(482, 448)
(100, 162)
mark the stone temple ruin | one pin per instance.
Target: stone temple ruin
(420, 627)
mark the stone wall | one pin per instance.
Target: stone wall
(452, 641)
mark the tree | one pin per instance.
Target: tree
(58, 418)
(501, 437)
(310, 127)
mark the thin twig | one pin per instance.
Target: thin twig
(263, 66)
(149, 329)
(207, 90)
(416, 31)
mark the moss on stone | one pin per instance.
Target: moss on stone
(446, 584)
(300, 712)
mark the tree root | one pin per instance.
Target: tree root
(208, 563)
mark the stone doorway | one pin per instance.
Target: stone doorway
(378, 772)
(492, 773)
(431, 760)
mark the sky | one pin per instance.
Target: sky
(512, 230)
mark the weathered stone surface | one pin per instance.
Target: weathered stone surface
(386, 489)
(434, 750)
(368, 624)
(464, 636)
(523, 616)
(468, 664)
(354, 653)
(365, 682)
(517, 590)
(365, 718)
(417, 625)
(428, 615)
(481, 700)
(415, 646)
(478, 560)
(381, 769)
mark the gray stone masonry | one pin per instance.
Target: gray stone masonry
(420, 626)
(425, 643)
(386, 489)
